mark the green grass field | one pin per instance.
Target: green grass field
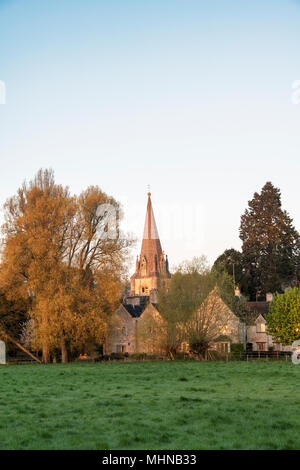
(150, 405)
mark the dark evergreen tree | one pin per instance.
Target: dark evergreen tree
(271, 244)
(231, 262)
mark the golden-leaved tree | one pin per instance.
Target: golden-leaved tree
(65, 256)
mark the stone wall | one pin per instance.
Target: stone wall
(122, 335)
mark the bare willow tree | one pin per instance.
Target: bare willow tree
(212, 320)
(196, 307)
(64, 255)
(183, 296)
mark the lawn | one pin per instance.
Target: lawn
(150, 405)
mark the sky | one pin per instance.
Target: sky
(194, 98)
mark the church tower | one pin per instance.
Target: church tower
(152, 266)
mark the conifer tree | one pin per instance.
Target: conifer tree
(271, 244)
(231, 262)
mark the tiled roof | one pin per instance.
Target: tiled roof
(261, 308)
(137, 310)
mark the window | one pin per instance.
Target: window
(185, 347)
(261, 346)
(223, 329)
(124, 330)
(121, 348)
(260, 328)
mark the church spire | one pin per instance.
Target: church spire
(152, 264)
(151, 252)
(150, 229)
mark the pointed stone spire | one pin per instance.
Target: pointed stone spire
(151, 247)
(150, 230)
(152, 265)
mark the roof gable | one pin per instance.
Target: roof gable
(214, 296)
(151, 310)
(260, 308)
(123, 313)
(260, 319)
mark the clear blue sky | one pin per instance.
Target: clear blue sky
(192, 97)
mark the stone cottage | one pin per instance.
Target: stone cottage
(257, 338)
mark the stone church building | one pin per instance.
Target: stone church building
(152, 272)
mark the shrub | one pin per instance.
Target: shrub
(214, 355)
(116, 356)
(284, 317)
(139, 356)
(237, 348)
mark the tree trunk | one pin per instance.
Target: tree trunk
(46, 354)
(64, 351)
